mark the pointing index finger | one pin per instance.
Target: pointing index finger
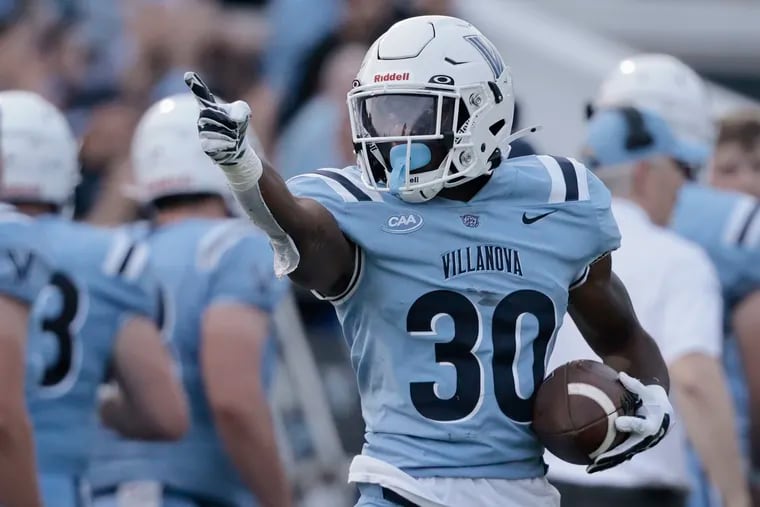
(199, 89)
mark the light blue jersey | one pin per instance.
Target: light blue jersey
(727, 226)
(100, 281)
(454, 307)
(24, 270)
(200, 263)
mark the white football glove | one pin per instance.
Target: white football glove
(649, 425)
(222, 129)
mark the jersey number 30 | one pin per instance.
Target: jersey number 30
(461, 351)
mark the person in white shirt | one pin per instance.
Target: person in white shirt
(676, 294)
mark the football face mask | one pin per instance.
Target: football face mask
(408, 137)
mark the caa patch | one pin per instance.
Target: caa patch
(403, 224)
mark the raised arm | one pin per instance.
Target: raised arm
(309, 246)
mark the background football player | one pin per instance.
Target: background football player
(99, 310)
(221, 291)
(24, 272)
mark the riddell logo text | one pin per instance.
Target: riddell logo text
(391, 76)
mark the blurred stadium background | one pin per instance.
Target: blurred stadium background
(104, 61)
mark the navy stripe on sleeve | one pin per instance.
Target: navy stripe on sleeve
(571, 180)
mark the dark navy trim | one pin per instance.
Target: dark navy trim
(393, 497)
(345, 183)
(354, 278)
(748, 223)
(581, 279)
(125, 261)
(571, 179)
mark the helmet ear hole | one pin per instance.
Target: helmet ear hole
(496, 127)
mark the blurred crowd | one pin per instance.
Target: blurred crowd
(104, 63)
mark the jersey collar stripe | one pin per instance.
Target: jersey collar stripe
(558, 190)
(358, 194)
(571, 180)
(743, 235)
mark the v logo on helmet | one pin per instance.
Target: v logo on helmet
(491, 56)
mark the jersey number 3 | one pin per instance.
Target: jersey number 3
(460, 352)
(60, 326)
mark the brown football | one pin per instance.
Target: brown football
(575, 410)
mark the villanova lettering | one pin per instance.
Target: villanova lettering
(478, 258)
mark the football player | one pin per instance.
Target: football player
(725, 224)
(221, 288)
(98, 311)
(24, 272)
(450, 268)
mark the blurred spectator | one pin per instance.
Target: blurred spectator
(736, 163)
(100, 198)
(320, 134)
(295, 25)
(363, 21)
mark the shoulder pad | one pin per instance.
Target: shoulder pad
(344, 185)
(218, 240)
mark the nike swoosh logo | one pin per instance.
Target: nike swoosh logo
(529, 220)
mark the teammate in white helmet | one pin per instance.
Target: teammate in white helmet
(450, 269)
(220, 292)
(98, 311)
(24, 272)
(725, 224)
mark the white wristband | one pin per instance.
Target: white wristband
(245, 173)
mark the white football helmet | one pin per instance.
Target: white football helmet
(666, 86)
(40, 153)
(431, 107)
(167, 156)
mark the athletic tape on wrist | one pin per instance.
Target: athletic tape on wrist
(243, 178)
